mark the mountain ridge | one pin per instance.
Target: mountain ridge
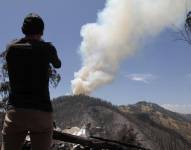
(148, 121)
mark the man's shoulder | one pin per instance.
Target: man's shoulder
(13, 42)
(18, 43)
(49, 44)
(8, 47)
(22, 43)
(49, 47)
(43, 44)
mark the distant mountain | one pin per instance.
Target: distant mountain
(160, 116)
(147, 107)
(145, 124)
(187, 116)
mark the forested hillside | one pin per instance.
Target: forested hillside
(139, 124)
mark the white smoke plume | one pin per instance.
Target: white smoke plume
(120, 29)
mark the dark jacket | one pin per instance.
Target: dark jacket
(28, 69)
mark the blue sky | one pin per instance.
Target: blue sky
(158, 72)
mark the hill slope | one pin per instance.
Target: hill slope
(138, 124)
(162, 117)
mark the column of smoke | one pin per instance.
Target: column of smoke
(120, 29)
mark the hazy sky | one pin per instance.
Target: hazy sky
(158, 72)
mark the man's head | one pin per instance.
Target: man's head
(33, 25)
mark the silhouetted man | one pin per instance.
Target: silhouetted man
(29, 108)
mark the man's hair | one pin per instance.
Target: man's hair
(33, 24)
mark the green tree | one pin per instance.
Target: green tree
(185, 34)
(188, 28)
